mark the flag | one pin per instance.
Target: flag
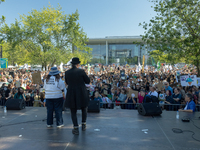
(170, 67)
(25, 66)
(137, 69)
(146, 67)
(61, 67)
(153, 62)
(158, 65)
(139, 66)
(143, 63)
(69, 62)
(88, 68)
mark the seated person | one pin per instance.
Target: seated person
(29, 100)
(96, 89)
(97, 97)
(107, 102)
(169, 100)
(20, 94)
(161, 98)
(122, 98)
(177, 98)
(153, 91)
(152, 96)
(106, 90)
(141, 96)
(190, 105)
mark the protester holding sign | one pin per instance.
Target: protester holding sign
(130, 102)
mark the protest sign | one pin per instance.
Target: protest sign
(42, 90)
(105, 92)
(37, 78)
(96, 69)
(18, 84)
(160, 86)
(133, 92)
(198, 81)
(188, 80)
(178, 73)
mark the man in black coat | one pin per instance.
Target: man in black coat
(77, 95)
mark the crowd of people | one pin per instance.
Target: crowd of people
(111, 85)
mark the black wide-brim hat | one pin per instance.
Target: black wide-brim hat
(75, 60)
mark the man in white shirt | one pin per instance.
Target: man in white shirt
(153, 92)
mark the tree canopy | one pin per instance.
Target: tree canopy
(175, 30)
(2, 18)
(46, 37)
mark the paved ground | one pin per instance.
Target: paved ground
(108, 130)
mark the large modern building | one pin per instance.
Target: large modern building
(117, 49)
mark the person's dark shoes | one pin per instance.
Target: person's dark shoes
(83, 126)
(75, 131)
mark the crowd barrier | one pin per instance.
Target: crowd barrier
(174, 107)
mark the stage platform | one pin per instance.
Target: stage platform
(111, 129)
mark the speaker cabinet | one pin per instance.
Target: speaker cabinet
(94, 106)
(15, 104)
(149, 109)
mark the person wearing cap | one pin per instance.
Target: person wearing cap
(77, 95)
(54, 87)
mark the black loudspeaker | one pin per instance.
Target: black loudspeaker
(15, 104)
(149, 109)
(94, 106)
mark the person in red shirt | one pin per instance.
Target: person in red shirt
(28, 86)
(141, 96)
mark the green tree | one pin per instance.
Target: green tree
(175, 30)
(2, 18)
(165, 57)
(11, 47)
(53, 35)
(17, 55)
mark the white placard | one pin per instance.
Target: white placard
(198, 81)
(188, 80)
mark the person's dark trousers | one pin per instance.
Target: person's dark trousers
(54, 105)
(74, 116)
(3, 101)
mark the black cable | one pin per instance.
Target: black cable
(177, 130)
(192, 135)
(195, 124)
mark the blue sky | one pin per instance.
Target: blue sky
(98, 18)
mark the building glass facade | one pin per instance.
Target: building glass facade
(123, 53)
(116, 50)
(98, 53)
